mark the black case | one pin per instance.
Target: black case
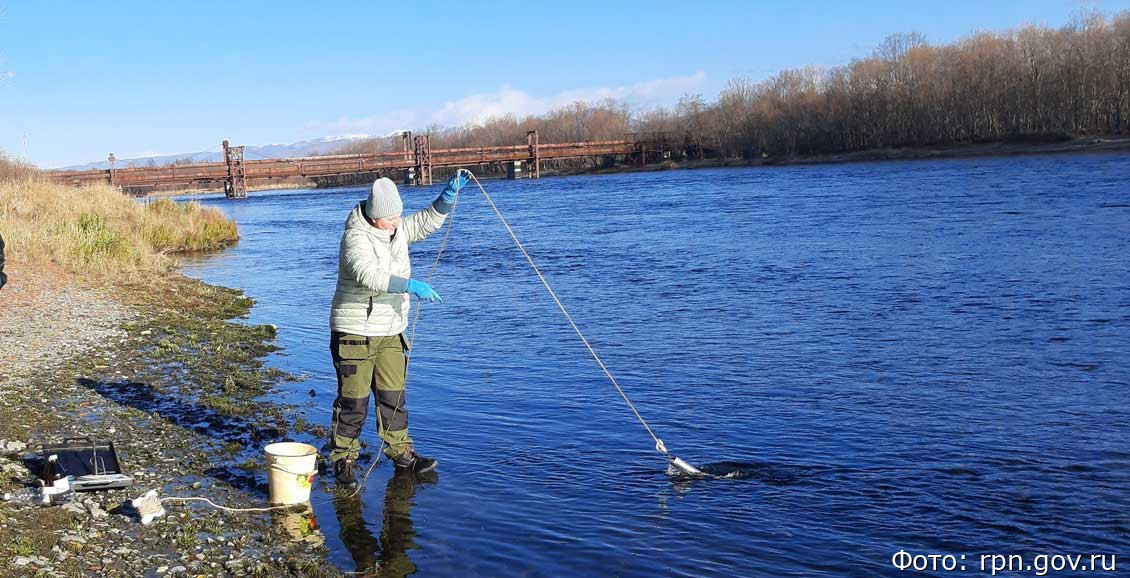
(94, 464)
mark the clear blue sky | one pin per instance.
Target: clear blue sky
(81, 79)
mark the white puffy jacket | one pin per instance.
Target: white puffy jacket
(362, 303)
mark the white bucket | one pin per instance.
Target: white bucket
(290, 471)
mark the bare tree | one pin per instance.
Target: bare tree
(1032, 83)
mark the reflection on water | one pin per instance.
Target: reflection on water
(360, 541)
(300, 524)
(386, 555)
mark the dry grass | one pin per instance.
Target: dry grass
(96, 231)
(12, 168)
(176, 226)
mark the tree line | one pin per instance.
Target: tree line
(1025, 85)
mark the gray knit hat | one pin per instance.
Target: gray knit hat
(384, 200)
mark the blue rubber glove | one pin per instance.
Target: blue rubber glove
(423, 291)
(454, 184)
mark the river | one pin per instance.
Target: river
(926, 356)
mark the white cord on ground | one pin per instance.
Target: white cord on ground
(225, 508)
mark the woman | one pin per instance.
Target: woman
(368, 319)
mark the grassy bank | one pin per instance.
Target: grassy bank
(97, 231)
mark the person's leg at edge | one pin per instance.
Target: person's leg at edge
(392, 415)
(388, 385)
(353, 357)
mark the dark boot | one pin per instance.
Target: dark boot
(414, 462)
(345, 473)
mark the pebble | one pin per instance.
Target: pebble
(13, 446)
(162, 569)
(12, 469)
(75, 508)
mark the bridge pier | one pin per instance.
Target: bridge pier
(423, 149)
(535, 154)
(514, 170)
(409, 174)
(235, 186)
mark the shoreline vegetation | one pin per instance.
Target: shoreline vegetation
(982, 150)
(100, 336)
(99, 232)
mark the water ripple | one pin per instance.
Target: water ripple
(926, 356)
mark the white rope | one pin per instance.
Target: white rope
(659, 447)
(225, 508)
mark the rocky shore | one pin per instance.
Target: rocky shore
(159, 367)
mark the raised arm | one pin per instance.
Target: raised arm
(419, 225)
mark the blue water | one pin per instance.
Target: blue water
(919, 356)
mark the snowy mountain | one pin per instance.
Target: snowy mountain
(318, 146)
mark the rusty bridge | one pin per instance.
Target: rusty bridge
(413, 163)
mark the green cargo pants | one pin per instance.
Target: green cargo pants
(364, 364)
